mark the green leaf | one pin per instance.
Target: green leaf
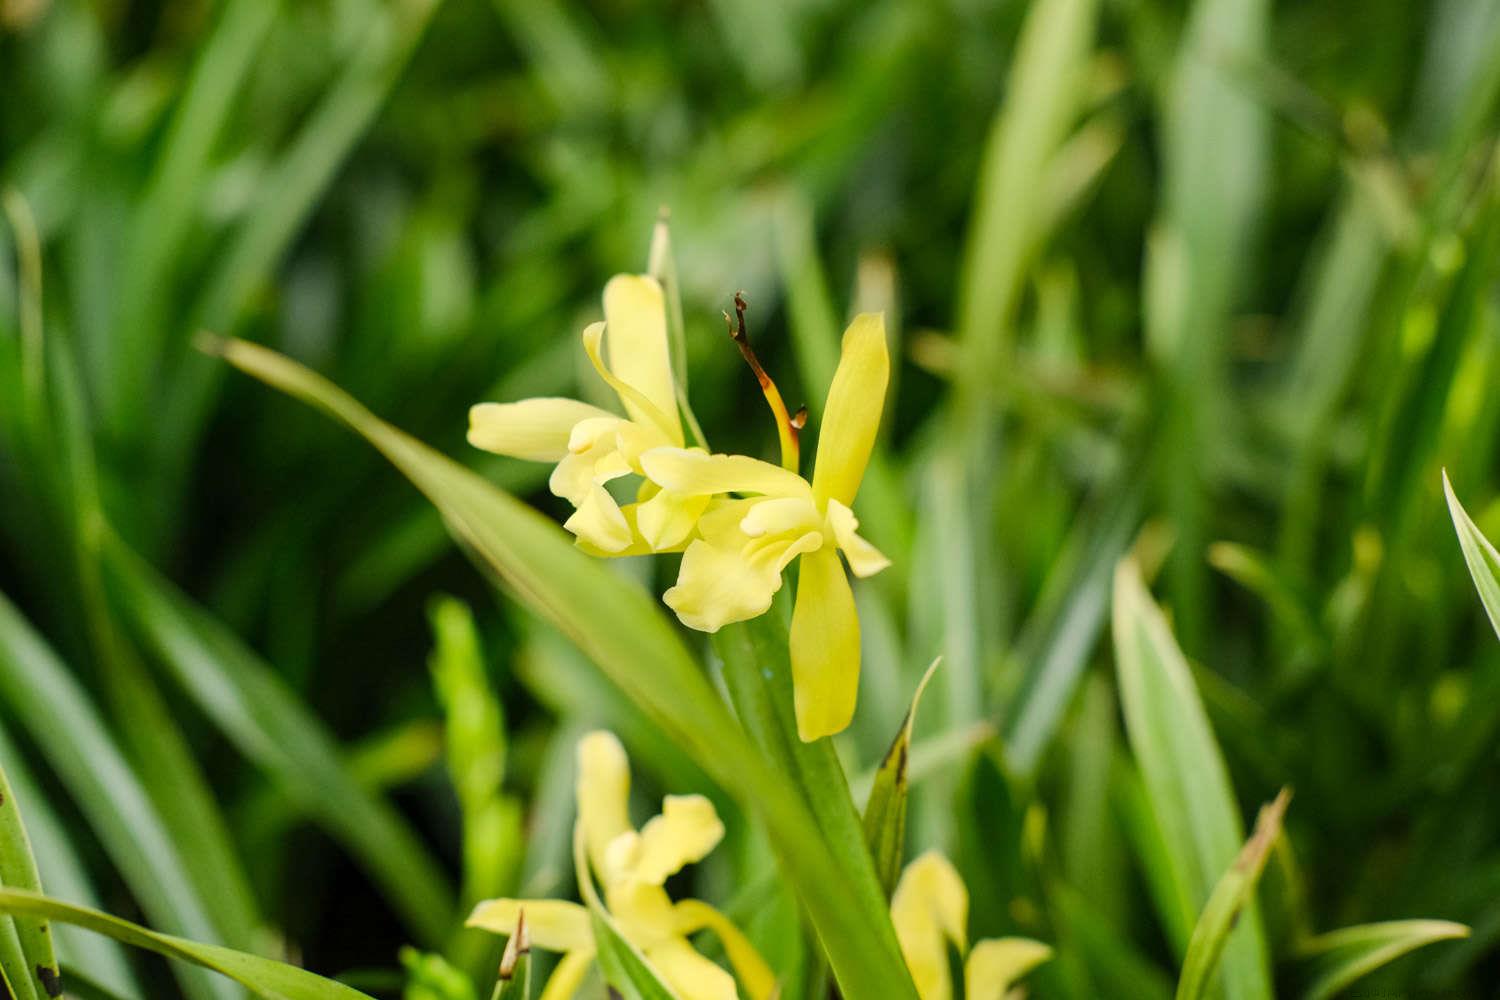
(1338, 958)
(273, 728)
(627, 635)
(625, 969)
(18, 871)
(1185, 779)
(43, 694)
(264, 977)
(885, 810)
(1235, 889)
(1482, 559)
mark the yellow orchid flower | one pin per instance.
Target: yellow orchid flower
(592, 446)
(929, 909)
(732, 570)
(632, 866)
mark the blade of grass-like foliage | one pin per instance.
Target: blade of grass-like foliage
(885, 810)
(18, 871)
(625, 969)
(272, 727)
(1042, 100)
(1235, 888)
(1057, 642)
(758, 674)
(165, 214)
(1338, 958)
(15, 979)
(262, 976)
(281, 205)
(1113, 965)
(627, 635)
(1482, 559)
(58, 863)
(1186, 781)
(44, 696)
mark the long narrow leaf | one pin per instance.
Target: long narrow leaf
(1479, 554)
(264, 977)
(627, 635)
(1340, 957)
(18, 871)
(1185, 777)
(885, 810)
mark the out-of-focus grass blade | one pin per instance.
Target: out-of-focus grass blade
(1235, 888)
(64, 874)
(1338, 958)
(282, 204)
(272, 727)
(43, 694)
(1479, 554)
(1057, 642)
(1114, 966)
(627, 635)
(18, 871)
(15, 979)
(165, 213)
(515, 965)
(885, 810)
(1185, 777)
(262, 976)
(1042, 100)
(625, 969)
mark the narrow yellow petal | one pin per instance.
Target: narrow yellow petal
(851, 416)
(755, 975)
(599, 522)
(824, 647)
(643, 412)
(864, 558)
(684, 471)
(603, 791)
(716, 586)
(635, 316)
(533, 429)
(666, 520)
(552, 924)
(685, 832)
(568, 976)
(996, 963)
(688, 974)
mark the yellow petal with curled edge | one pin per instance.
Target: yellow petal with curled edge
(643, 412)
(551, 924)
(718, 585)
(824, 647)
(851, 417)
(688, 974)
(635, 317)
(864, 558)
(777, 515)
(666, 520)
(996, 963)
(685, 471)
(533, 429)
(694, 915)
(599, 522)
(929, 908)
(685, 832)
(568, 976)
(603, 791)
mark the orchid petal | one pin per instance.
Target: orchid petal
(551, 924)
(685, 471)
(603, 792)
(929, 908)
(534, 429)
(996, 963)
(635, 316)
(685, 832)
(851, 417)
(688, 974)
(864, 558)
(824, 647)
(600, 522)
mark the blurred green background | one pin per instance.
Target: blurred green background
(1212, 280)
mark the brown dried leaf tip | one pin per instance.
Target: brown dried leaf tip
(518, 945)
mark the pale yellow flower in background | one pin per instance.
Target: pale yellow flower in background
(732, 571)
(632, 866)
(930, 909)
(592, 446)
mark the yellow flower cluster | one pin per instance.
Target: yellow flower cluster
(739, 522)
(632, 866)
